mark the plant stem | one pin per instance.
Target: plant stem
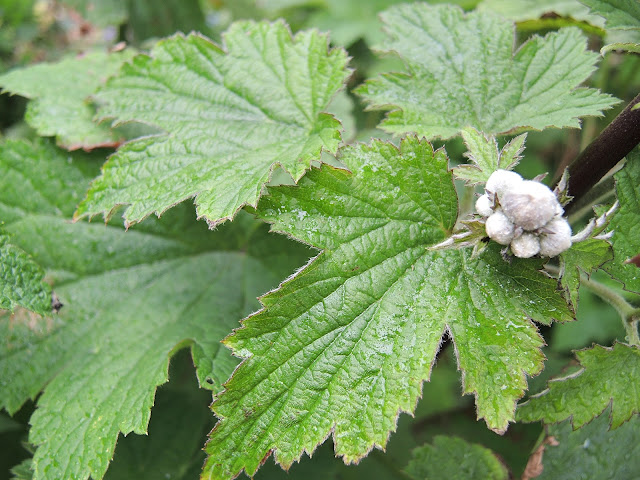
(601, 155)
(629, 314)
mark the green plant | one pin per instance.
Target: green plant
(376, 264)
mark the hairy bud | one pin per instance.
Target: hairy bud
(526, 245)
(530, 205)
(500, 228)
(556, 237)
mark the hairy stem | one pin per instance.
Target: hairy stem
(601, 155)
(629, 313)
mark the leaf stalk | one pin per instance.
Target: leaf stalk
(629, 314)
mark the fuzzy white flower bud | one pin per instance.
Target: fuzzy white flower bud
(555, 238)
(484, 205)
(530, 204)
(525, 246)
(499, 228)
(502, 180)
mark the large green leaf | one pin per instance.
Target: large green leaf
(21, 279)
(230, 118)
(624, 14)
(626, 225)
(608, 377)
(178, 428)
(452, 457)
(592, 452)
(345, 344)
(58, 91)
(463, 72)
(131, 299)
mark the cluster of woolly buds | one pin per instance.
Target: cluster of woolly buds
(523, 214)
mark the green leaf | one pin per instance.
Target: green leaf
(621, 47)
(485, 156)
(59, 105)
(21, 279)
(345, 344)
(463, 72)
(22, 471)
(452, 457)
(102, 13)
(607, 378)
(585, 256)
(598, 323)
(350, 20)
(179, 424)
(523, 10)
(592, 451)
(226, 128)
(149, 18)
(131, 300)
(622, 14)
(16, 12)
(626, 224)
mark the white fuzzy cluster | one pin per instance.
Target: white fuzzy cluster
(524, 214)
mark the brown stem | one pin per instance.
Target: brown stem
(601, 155)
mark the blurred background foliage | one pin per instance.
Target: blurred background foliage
(34, 31)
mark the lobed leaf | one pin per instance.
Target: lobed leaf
(230, 118)
(485, 156)
(179, 424)
(344, 345)
(622, 14)
(626, 224)
(593, 451)
(452, 457)
(462, 72)
(607, 378)
(131, 300)
(586, 256)
(59, 105)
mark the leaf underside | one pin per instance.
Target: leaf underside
(230, 117)
(462, 72)
(344, 345)
(608, 377)
(131, 299)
